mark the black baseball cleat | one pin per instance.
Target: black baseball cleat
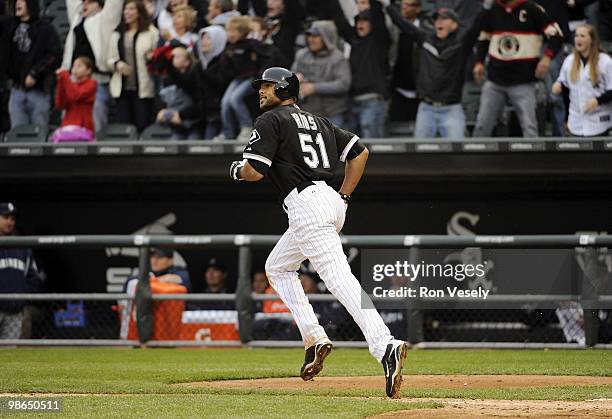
(313, 360)
(393, 361)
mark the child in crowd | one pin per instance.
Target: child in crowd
(76, 96)
(240, 60)
(177, 98)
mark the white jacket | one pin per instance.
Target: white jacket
(145, 42)
(596, 122)
(98, 29)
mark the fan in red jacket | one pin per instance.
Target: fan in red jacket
(77, 95)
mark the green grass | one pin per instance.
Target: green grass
(140, 379)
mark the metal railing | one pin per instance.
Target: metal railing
(244, 297)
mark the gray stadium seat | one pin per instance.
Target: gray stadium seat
(56, 8)
(26, 134)
(400, 129)
(470, 102)
(62, 26)
(118, 132)
(428, 6)
(156, 132)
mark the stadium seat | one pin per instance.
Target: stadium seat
(26, 134)
(118, 132)
(428, 6)
(156, 132)
(400, 129)
(62, 26)
(470, 103)
(56, 8)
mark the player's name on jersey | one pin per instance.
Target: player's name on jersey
(304, 121)
(435, 293)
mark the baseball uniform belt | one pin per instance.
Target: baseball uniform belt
(303, 185)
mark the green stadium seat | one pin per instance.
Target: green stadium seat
(118, 132)
(26, 134)
(156, 132)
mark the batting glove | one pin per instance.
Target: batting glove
(235, 169)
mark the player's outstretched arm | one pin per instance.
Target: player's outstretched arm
(242, 170)
(353, 171)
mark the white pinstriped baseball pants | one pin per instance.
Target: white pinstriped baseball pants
(316, 215)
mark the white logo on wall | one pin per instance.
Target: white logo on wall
(117, 275)
(469, 255)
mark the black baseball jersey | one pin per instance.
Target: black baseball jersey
(293, 146)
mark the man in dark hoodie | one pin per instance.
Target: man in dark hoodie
(442, 58)
(18, 274)
(370, 71)
(31, 52)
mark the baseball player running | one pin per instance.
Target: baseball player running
(299, 152)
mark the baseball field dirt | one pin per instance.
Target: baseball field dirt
(412, 381)
(452, 407)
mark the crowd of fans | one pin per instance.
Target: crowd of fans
(188, 64)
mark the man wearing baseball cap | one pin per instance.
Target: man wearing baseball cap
(162, 268)
(442, 59)
(18, 274)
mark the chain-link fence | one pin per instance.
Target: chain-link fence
(149, 313)
(203, 319)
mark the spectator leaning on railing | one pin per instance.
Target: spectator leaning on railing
(130, 47)
(440, 75)
(30, 52)
(324, 73)
(91, 26)
(512, 36)
(18, 274)
(369, 62)
(587, 74)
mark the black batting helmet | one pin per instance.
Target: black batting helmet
(286, 84)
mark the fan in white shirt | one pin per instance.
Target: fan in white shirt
(587, 74)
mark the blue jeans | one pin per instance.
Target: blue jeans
(448, 120)
(29, 107)
(370, 116)
(101, 105)
(234, 108)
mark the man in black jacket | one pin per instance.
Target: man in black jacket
(369, 61)
(442, 58)
(404, 99)
(31, 52)
(18, 274)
